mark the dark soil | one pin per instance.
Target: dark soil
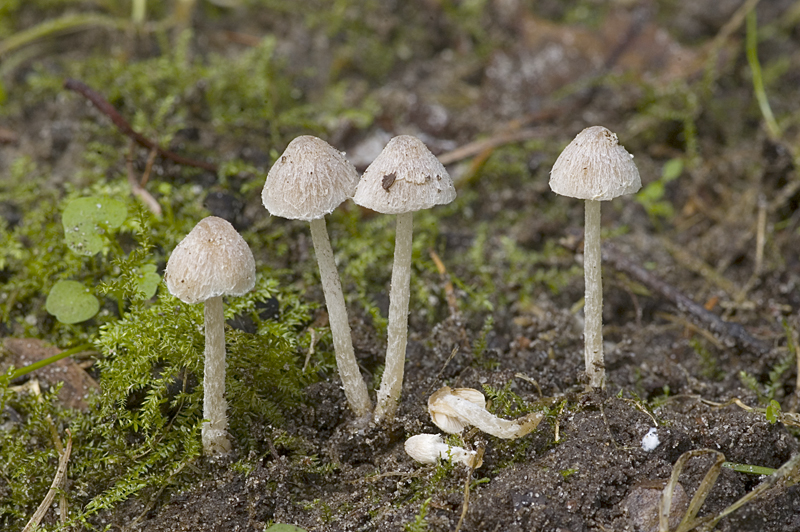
(584, 468)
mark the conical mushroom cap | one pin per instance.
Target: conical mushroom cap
(308, 181)
(595, 167)
(212, 260)
(405, 177)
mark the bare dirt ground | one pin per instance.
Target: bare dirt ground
(673, 80)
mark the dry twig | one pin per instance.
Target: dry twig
(107, 109)
(731, 333)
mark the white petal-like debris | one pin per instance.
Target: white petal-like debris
(650, 440)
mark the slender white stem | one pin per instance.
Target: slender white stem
(392, 381)
(354, 387)
(593, 301)
(215, 434)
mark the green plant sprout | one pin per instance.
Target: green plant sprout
(88, 223)
(773, 412)
(773, 129)
(746, 468)
(71, 302)
(19, 372)
(651, 197)
(420, 523)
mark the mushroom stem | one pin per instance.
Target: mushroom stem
(392, 381)
(354, 387)
(215, 435)
(593, 300)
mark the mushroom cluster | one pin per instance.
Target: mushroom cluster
(309, 180)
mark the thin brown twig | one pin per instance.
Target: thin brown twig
(107, 109)
(499, 139)
(439, 376)
(148, 167)
(731, 333)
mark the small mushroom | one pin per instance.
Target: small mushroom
(212, 261)
(404, 178)
(453, 409)
(307, 182)
(594, 167)
(428, 448)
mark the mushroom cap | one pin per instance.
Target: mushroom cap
(428, 448)
(309, 180)
(424, 448)
(405, 177)
(212, 260)
(442, 412)
(595, 167)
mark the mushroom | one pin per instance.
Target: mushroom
(594, 167)
(307, 182)
(428, 448)
(212, 261)
(453, 409)
(404, 178)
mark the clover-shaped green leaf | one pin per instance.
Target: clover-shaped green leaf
(147, 280)
(71, 302)
(87, 220)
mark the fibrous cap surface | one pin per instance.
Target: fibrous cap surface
(595, 167)
(309, 180)
(405, 177)
(212, 260)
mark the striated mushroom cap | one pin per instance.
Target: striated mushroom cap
(212, 260)
(405, 177)
(595, 167)
(308, 181)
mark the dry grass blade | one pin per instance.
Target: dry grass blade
(465, 507)
(51, 493)
(687, 523)
(788, 475)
